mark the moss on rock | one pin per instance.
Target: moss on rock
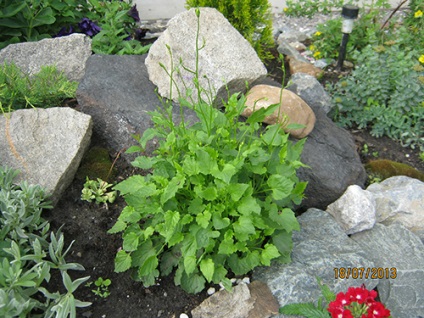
(383, 169)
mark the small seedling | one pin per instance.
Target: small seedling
(98, 190)
(102, 285)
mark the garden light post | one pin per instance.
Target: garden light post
(349, 14)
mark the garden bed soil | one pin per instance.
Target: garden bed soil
(87, 224)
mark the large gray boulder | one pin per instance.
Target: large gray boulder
(117, 93)
(68, 53)
(46, 145)
(398, 255)
(319, 248)
(225, 60)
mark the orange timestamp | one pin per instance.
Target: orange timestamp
(365, 272)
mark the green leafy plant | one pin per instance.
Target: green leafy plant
(252, 18)
(308, 8)
(357, 302)
(97, 190)
(28, 254)
(102, 287)
(217, 197)
(117, 27)
(32, 20)
(48, 88)
(388, 102)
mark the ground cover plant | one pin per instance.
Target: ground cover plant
(30, 253)
(47, 88)
(252, 18)
(218, 199)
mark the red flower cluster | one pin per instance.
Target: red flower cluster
(357, 302)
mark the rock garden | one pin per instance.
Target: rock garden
(216, 165)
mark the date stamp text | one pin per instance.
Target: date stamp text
(365, 272)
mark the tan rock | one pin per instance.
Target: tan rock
(297, 66)
(246, 301)
(292, 110)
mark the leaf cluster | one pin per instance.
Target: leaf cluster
(28, 254)
(218, 198)
(101, 287)
(310, 310)
(33, 20)
(117, 28)
(252, 18)
(48, 88)
(385, 93)
(97, 190)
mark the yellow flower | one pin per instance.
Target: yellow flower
(421, 59)
(418, 14)
(312, 48)
(317, 33)
(317, 54)
(286, 9)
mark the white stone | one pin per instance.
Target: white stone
(211, 291)
(354, 210)
(225, 57)
(400, 199)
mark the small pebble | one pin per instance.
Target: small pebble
(246, 280)
(211, 291)
(183, 316)
(407, 155)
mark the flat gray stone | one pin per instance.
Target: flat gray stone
(319, 248)
(46, 145)
(395, 247)
(226, 59)
(68, 53)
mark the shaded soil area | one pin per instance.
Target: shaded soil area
(87, 224)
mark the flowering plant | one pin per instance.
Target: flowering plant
(357, 302)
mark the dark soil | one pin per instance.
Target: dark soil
(87, 224)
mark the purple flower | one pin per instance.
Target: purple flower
(133, 12)
(89, 27)
(66, 30)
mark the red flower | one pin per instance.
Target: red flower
(377, 310)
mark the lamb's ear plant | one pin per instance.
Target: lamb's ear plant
(30, 254)
(216, 199)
